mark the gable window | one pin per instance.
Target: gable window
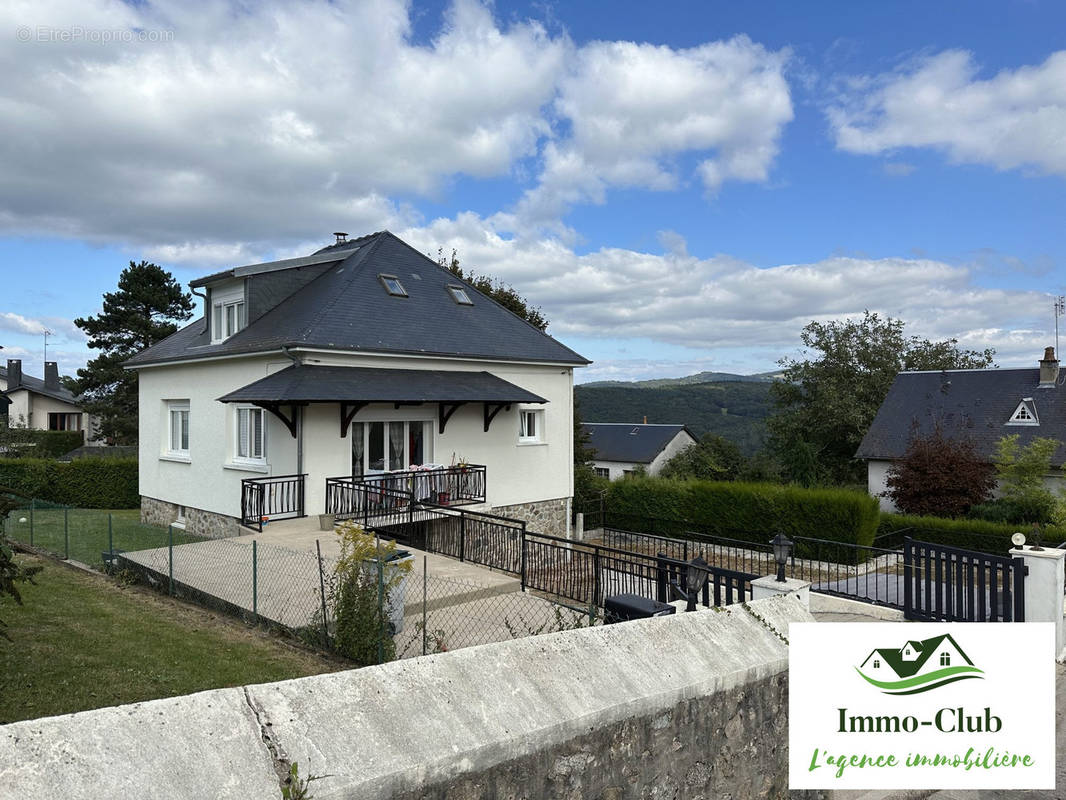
(1024, 414)
(460, 296)
(392, 285)
(945, 659)
(530, 424)
(251, 435)
(228, 318)
(178, 428)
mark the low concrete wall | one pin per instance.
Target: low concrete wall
(691, 706)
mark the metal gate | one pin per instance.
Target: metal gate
(949, 584)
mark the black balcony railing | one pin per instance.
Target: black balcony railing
(276, 497)
(447, 486)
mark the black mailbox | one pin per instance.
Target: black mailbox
(624, 607)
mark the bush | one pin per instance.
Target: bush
(29, 443)
(84, 483)
(712, 458)
(1021, 472)
(752, 512)
(939, 476)
(971, 534)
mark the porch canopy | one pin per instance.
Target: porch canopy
(356, 387)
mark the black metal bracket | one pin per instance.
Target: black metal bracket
(275, 409)
(444, 413)
(490, 415)
(348, 411)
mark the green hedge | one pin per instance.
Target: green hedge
(752, 512)
(29, 443)
(83, 483)
(971, 534)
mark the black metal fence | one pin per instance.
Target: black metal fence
(276, 497)
(956, 585)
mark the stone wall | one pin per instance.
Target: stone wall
(686, 707)
(544, 516)
(197, 521)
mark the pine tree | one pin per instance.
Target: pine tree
(145, 310)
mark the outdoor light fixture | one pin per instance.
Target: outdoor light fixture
(782, 548)
(695, 580)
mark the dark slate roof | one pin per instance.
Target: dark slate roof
(346, 308)
(975, 404)
(639, 444)
(315, 384)
(36, 385)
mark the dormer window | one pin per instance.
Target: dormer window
(1024, 414)
(460, 296)
(392, 285)
(228, 312)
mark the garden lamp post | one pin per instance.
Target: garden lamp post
(695, 579)
(782, 548)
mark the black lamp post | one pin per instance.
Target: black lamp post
(782, 548)
(695, 580)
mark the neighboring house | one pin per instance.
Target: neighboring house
(623, 449)
(915, 658)
(981, 405)
(40, 405)
(346, 366)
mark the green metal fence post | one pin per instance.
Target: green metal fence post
(170, 557)
(255, 577)
(33, 505)
(66, 533)
(110, 542)
(322, 592)
(425, 577)
(381, 608)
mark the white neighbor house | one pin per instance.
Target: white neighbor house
(623, 448)
(361, 360)
(40, 405)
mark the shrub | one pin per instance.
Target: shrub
(752, 512)
(84, 483)
(360, 596)
(1021, 472)
(712, 458)
(29, 443)
(939, 476)
(971, 534)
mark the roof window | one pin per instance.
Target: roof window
(1024, 414)
(460, 296)
(392, 285)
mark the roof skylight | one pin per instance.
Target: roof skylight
(392, 285)
(460, 296)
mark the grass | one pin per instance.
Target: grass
(81, 641)
(82, 533)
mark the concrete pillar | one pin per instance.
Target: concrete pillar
(579, 526)
(1044, 588)
(770, 586)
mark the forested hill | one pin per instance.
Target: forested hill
(736, 410)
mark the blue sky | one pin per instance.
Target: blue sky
(680, 186)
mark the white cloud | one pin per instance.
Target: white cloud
(1015, 119)
(633, 109)
(17, 323)
(722, 304)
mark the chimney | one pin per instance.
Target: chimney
(645, 419)
(51, 375)
(14, 373)
(1049, 369)
(342, 237)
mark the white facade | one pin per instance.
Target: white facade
(30, 409)
(618, 469)
(209, 478)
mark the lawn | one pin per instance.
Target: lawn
(82, 533)
(82, 641)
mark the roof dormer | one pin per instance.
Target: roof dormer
(1024, 414)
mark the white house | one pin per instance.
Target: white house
(364, 363)
(623, 448)
(40, 405)
(979, 405)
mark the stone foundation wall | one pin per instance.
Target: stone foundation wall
(543, 516)
(197, 521)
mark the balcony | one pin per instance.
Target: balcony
(353, 497)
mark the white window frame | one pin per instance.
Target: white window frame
(537, 417)
(250, 457)
(1029, 418)
(176, 449)
(225, 312)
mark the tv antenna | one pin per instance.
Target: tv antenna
(48, 333)
(1060, 309)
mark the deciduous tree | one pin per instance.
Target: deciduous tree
(824, 404)
(939, 476)
(143, 311)
(712, 458)
(502, 293)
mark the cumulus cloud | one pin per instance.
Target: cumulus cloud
(1015, 119)
(17, 323)
(711, 305)
(633, 109)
